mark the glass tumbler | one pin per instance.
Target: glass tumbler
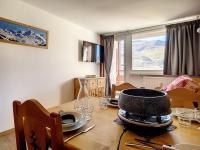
(88, 111)
(103, 102)
(185, 119)
(198, 116)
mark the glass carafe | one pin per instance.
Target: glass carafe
(82, 99)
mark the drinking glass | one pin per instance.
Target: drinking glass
(88, 111)
(198, 116)
(184, 119)
(78, 106)
(103, 102)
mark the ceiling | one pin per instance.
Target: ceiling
(103, 16)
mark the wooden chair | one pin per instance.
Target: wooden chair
(120, 87)
(182, 97)
(159, 87)
(36, 128)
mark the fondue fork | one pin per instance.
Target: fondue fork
(142, 145)
(144, 141)
(148, 142)
(137, 145)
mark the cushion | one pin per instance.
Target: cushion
(183, 81)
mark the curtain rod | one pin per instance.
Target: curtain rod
(162, 25)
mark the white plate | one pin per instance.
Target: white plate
(77, 126)
(75, 114)
(187, 147)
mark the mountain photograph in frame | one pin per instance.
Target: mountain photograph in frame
(18, 33)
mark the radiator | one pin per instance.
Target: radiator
(152, 82)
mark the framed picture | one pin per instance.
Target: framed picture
(22, 34)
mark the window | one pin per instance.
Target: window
(148, 51)
(120, 62)
(117, 67)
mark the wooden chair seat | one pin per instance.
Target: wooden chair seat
(36, 128)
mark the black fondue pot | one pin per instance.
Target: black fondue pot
(144, 102)
(145, 108)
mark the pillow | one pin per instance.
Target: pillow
(183, 82)
(192, 85)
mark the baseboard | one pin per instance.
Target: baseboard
(4, 133)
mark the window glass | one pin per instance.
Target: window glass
(120, 62)
(148, 51)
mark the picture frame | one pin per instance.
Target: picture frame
(22, 34)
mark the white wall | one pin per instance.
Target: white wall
(43, 74)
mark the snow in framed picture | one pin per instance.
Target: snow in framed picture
(18, 33)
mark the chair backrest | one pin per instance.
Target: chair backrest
(182, 97)
(120, 87)
(36, 128)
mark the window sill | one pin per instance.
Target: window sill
(147, 72)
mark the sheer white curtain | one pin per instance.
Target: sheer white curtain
(113, 74)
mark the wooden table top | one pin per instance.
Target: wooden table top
(105, 135)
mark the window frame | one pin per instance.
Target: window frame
(118, 70)
(145, 34)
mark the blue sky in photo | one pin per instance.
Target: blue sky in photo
(11, 26)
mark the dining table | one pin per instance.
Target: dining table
(105, 135)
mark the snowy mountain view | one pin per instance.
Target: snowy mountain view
(148, 53)
(22, 34)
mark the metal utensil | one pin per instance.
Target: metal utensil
(140, 140)
(137, 145)
(145, 145)
(150, 145)
(149, 142)
(84, 131)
